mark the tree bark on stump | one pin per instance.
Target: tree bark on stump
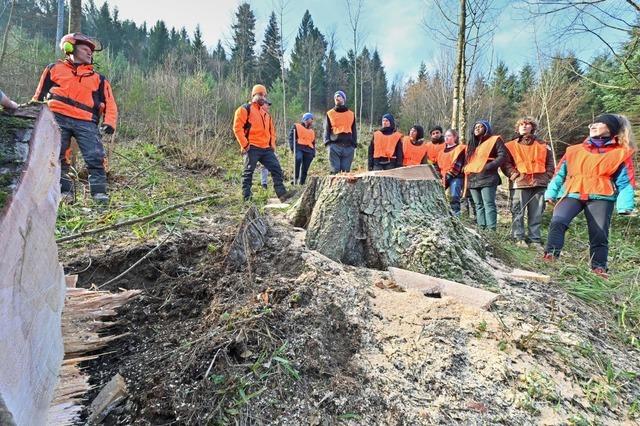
(397, 218)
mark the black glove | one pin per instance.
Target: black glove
(107, 130)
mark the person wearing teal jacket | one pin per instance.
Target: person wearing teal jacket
(595, 176)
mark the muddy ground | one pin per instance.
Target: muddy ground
(291, 337)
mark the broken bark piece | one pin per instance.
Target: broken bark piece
(432, 286)
(250, 238)
(398, 218)
(521, 274)
(109, 397)
(275, 204)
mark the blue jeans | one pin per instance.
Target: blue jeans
(455, 193)
(486, 211)
(90, 143)
(268, 159)
(340, 158)
(303, 162)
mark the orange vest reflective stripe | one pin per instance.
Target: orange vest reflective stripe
(306, 136)
(384, 146)
(433, 150)
(446, 160)
(529, 159)
(591, 172)
(412, 155)
(480, 156)
(341, 122)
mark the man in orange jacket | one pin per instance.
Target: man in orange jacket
(256, 134)
(79, 97)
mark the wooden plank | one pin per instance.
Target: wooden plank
(429, 285)
(109, 397)
(521, 274)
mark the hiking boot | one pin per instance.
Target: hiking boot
(601, 272)
(286, 196)
(67, 197)
(100, 198)
(522, 244)
(548, 257)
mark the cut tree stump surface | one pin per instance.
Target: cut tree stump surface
(398, 218)
(431, 286)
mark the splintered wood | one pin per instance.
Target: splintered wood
(83, 327)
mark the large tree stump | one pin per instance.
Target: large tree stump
(395, 218)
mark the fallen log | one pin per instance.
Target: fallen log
(398, 218)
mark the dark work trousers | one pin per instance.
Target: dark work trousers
(485, 202)
(268, 159)
(383, 166)
(598, 214)
(531, 201)
(303, 161)
(88, 137)
(340, 158)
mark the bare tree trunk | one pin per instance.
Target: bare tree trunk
(371, 103)
(5, 37)
(310, 82)
(354, 18)
(458, 89)
(361, 97)
(462, 104)
(60, 24)
(75, 16)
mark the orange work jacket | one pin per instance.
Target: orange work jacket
(77, 91)
(590, 172)
(412, 155)
(529, 159)
(384, 146)
(341, 122)
(306, 136)
(252, 125)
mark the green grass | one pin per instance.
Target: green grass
(620, 294)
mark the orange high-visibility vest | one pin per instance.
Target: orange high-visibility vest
(433, 150)
(384, 146)
(341, 122)
(412, 155)
(480, 156)
(591, 172)
(306, 136)
(446, 160)
(529, 159)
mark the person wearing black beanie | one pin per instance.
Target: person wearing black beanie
(595, 176)
(385, 149)
(414, 148)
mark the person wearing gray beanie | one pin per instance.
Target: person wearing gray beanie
(340, 135)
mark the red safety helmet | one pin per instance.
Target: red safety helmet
(68, 42)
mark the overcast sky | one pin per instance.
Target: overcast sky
(395, 27)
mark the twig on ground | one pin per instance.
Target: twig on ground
(136, 220)
(153, 250)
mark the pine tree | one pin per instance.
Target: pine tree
(526, 82)
(158, 42)
(269, 64)
(197, 47)
(422, 73)
(306, 63)
(220, 63)
(379, 93)
(242, 55)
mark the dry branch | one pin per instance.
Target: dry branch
(136, 220)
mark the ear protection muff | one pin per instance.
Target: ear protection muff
(67, 47)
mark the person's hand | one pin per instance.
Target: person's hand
(244, 151)
(550, 202)
(107, 130)
(514, 176)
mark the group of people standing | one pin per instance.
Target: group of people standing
(591, 176)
